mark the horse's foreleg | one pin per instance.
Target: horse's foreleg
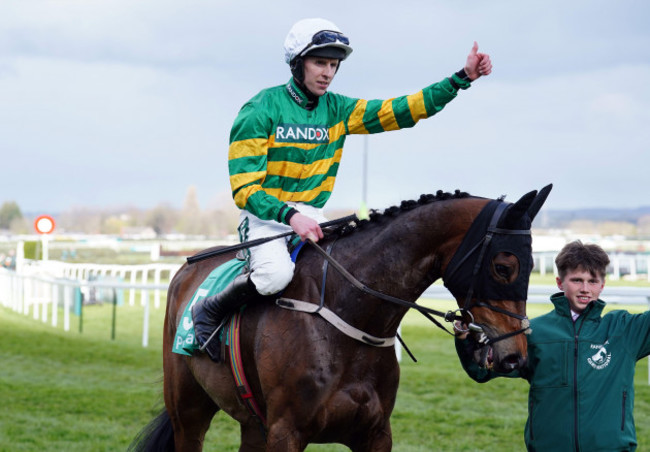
(283, 441)
(378, 440)
(285, 436)
(189, 406)
(190, 424)
(253, 438)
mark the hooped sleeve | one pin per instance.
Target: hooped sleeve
(376, 116)
(247, 165)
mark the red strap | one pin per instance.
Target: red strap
(237, 369)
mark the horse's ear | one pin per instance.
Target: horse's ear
(539, 201)
(517, 210)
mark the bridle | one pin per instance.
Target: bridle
(482, 246)
(470, 301)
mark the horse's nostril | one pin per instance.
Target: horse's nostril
(522, 362)
(513, 361)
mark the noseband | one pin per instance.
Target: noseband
(481, 247)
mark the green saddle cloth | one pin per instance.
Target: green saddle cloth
(184, 342)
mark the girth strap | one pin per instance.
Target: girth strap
(336, 321)
(237, 367)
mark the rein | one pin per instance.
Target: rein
(449, 316)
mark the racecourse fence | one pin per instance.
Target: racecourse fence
(632, 266)
(42, 286)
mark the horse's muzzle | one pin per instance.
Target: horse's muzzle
(513, 361)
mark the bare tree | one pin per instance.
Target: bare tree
(162, 219)
(8, 213)
(190, 218)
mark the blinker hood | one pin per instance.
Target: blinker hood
(469, 271)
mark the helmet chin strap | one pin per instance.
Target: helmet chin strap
(297, 67)
(298, 70)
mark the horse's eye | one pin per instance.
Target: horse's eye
(505, 268)
(502, 271)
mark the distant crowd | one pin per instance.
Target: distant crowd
(8, 260)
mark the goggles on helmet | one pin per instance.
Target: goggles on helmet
(326, 37)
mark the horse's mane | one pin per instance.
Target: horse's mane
(376, 216)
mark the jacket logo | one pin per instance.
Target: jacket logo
(601, 358)
(294, 95)
(301, 133)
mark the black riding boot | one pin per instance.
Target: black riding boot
(209, 312)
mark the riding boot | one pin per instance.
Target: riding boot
(210, 312)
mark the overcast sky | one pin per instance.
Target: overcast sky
(109, 103)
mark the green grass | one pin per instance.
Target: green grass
(85, 392)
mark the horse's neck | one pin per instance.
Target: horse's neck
(406, 256)
(401, 258)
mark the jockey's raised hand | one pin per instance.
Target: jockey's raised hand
(477, 64)
(306, 227)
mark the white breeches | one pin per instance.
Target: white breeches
(270, 263)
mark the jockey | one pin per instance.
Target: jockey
(285, 148)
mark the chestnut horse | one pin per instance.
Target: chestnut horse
(315, 384)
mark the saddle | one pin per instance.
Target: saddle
(185, 342)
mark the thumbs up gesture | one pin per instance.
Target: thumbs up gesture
(477, 64)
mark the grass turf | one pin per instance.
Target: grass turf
(77, 391)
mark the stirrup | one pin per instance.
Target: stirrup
(214, 333)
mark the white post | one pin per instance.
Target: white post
(55, 303)
(32, 296)
(156, 280)
(132, 290)
(68, 293)
(18, 293)
(43, 300)
(20, 257)
(145, 323)
(144, 293)
(155, 251)
(542, 265)
(616, 273)
(46, 251)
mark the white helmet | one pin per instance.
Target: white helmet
(308, 35)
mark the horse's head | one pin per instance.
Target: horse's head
(488, 275)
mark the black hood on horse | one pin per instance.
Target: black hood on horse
(499, 228)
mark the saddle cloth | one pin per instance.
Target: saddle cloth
(185, 342)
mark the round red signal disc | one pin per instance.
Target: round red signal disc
(44, 224)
